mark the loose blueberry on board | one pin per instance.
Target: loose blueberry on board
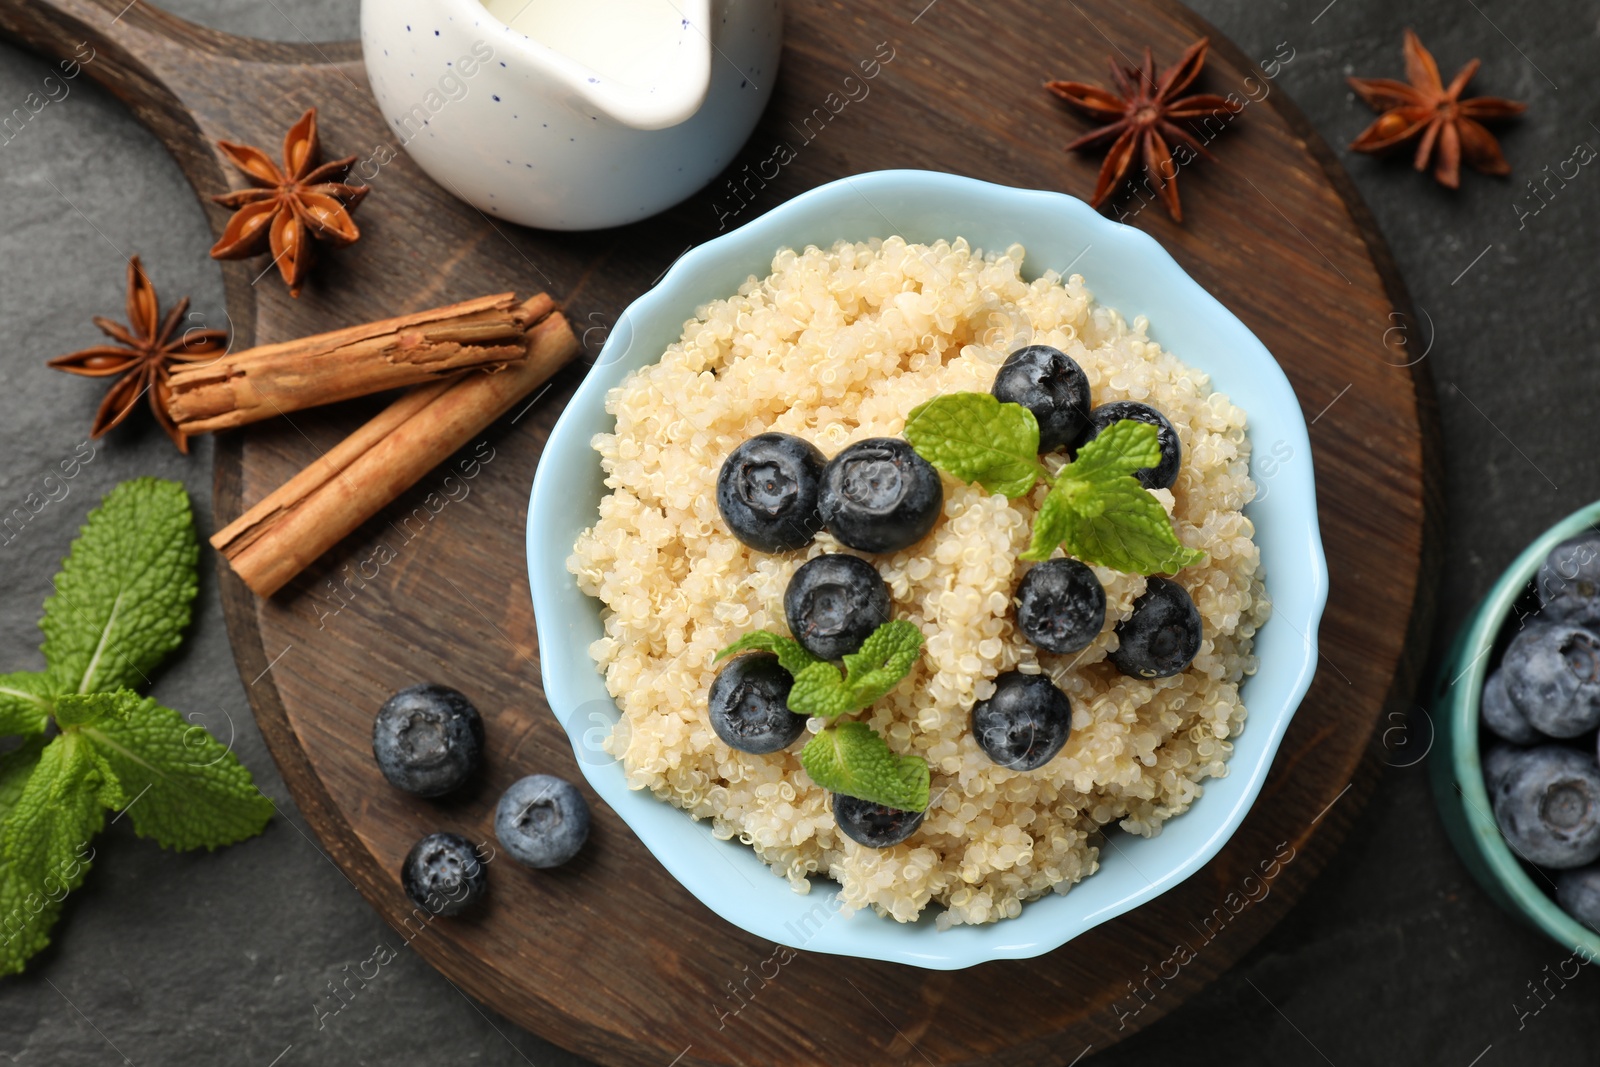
(442, 873)
(1025, 723)
(1497, 763)
(873, 825)
(1049, 383)
(1569, 580)
(878, 495)
(1061, 605)
(1548, 807)
(767, 492)
(541, 821)
(1503, 718)
(1163, 474)
(749, 705)
(1162, 636)
(428, 740)
(833, 603)
(1553, 676)
(1578, 893)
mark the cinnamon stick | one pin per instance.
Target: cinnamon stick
(275, 540)
(257, 383)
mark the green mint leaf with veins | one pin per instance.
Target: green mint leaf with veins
(24, 702)
(1125, 446)
(975, 437)
(83, 709)
(44, 839)
(15, 767)
(186, 789)
(884, 658)
(792, 655)
(123, 596)
(852, 759)
(27, 911)
(1101, 514)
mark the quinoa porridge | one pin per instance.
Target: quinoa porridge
(837, 346)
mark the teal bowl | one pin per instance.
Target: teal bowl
(1456, 769)
(1126, 269)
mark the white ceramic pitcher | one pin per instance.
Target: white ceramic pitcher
(571, 114)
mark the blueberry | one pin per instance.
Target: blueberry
(1553, 676)
(749, 705)
(1025, 723)
(1501, 716)
(542, 820)
(878, 495)
(1578, 893)
(1498, 763)
(833, 603)
(1162, 636)
(1163, 474)
(1548, 807)
(1049, 383)
(1061, 605)
(767, 492)
(428, 740)
(1569, 579)
(442, 873)
(873, 825)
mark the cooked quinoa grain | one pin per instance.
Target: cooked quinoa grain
(839, 345)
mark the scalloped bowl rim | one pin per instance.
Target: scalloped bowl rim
(1125, 269)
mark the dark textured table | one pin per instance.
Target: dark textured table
(1393, 957)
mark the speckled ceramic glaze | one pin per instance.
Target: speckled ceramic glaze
(1127, 270)
(531, 135)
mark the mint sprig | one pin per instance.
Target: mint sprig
(850, 757)
(1096, 509)
(885, 657)
(975, 437)
(122, 601)
(792, 655)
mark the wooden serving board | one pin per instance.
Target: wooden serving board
(609, 956)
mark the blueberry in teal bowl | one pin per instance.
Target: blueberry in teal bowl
(932, 300)
(1515, 767)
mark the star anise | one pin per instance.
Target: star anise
(291, 207)
(1142, 116)
(1428, 109)
(145, 351)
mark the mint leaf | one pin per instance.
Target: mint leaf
(884, 658)
(81, 709)
(1100, 512)
(27, 910)
(184, 787)
(1125, 446)
(122, 598)
(61, 806)
(15, 767)
(1054, 519)
(852, 759)
(975, 437)
(792, 655)
(820, 690)
(43, 841)
(24, 702)
(1130, 532)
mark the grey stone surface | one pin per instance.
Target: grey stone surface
(1394, 957)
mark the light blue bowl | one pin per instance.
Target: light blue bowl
(1125, 269)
